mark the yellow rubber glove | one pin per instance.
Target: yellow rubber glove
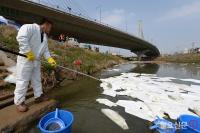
(51, 61)
(30, 56)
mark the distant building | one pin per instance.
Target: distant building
(12, 23)
(114, 53)
(185, 51)
(72, 41)
(87, 46)
(191, 51)
(3, 21)
(194, 50)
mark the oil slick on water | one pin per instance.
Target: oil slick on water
(157, 96)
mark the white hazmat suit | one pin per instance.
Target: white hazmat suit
(29, 39)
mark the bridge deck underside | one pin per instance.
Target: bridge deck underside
(84, 30)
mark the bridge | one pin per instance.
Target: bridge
(83, 29)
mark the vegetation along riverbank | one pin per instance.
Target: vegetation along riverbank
(67, 55)
(180, 58)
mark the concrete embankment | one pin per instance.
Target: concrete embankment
(13, 121)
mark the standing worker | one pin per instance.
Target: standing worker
(32, 39)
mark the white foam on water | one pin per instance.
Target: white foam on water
(158, 95)
(164, 79)
(194, 89)
(191, 80)
(110, 93)
(117, 70)
(138, 109)
(115, 117)
(106, 102)
(197, 110)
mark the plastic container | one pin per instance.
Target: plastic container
(192, 124)
(163, 126)
(65, 116)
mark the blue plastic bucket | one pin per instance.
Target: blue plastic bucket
(65, 116)
(192, 124)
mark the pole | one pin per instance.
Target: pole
(109, 85)
(16, 53)
(126, 23)
(100, 13)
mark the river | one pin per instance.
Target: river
(80, 97)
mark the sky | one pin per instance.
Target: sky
(171, 25)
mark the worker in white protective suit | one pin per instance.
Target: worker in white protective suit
(32, 39)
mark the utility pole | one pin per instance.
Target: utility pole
(140, 29)
(100, 13)
(193, 45)
(126, 23)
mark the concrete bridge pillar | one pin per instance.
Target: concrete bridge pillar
(141, 54)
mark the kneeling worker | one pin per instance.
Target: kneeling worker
(32, 39)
